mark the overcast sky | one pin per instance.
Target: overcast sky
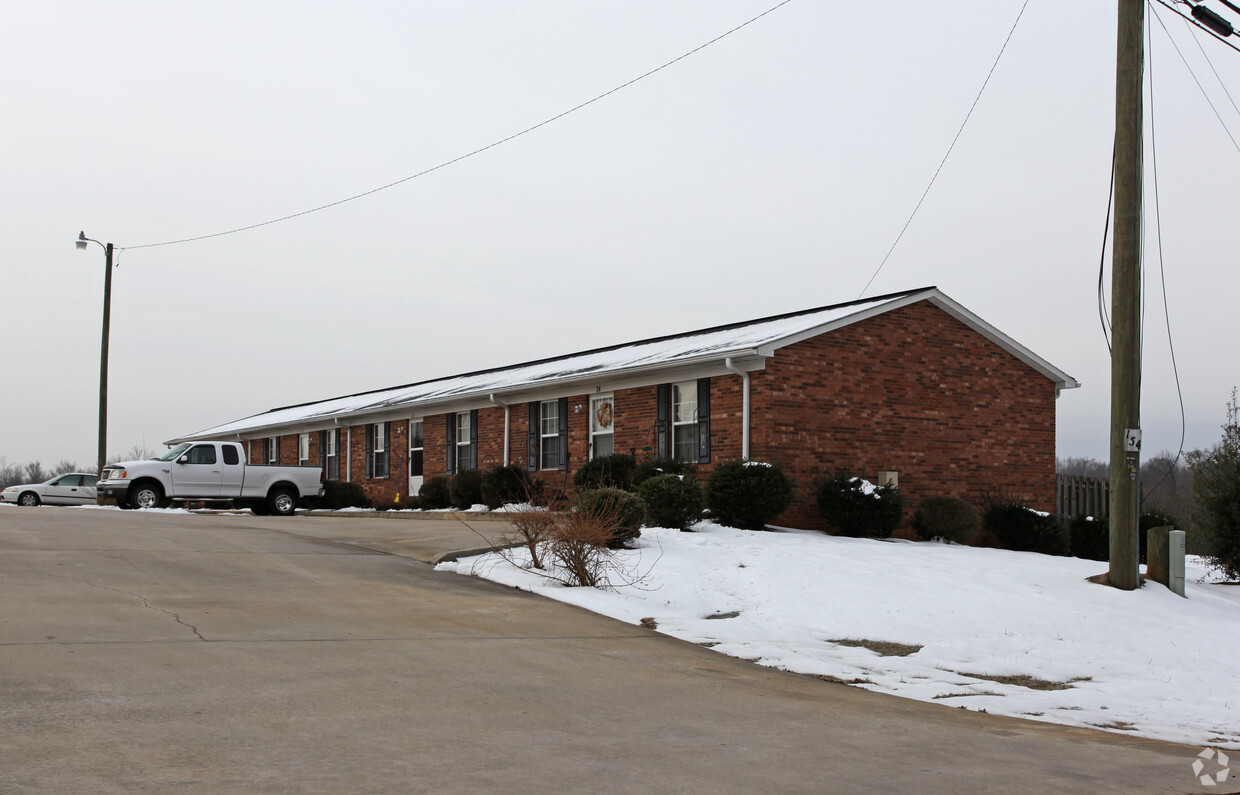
(769, 172)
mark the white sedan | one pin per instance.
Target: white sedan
(76, 488)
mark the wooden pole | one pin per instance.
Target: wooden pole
(1126, 297)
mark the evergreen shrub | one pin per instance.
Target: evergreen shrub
(650, 467)
(612, 471)
(465, 489)
(338, 494)
(434, 493)
(671, 501)
(949, 518)
(855, 507)
(1017, 526)
(618, 508)
(748, 494)
(504, 485)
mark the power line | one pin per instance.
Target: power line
(943, 162)
(478, 151)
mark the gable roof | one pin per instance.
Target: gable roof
(758, 338)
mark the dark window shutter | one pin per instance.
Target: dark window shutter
(563, 433)
(323, 448)
(703, 420)
(663, 421)
(370, 451)
(449, 466)
(531, 454)
(473, 439)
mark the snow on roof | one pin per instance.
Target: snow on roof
(755, 337)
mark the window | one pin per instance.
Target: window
(415, 449)
(682, 425)
(549, 432)
(201, 454)
(548, 435)
(684, 421)
(602, 426)
(329, 453)
(231, 458)
(462, 432)
(377, 450)
(303, 449)
(271, 449)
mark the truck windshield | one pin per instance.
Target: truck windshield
(174, 453)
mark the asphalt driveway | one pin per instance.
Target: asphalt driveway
(152, 652)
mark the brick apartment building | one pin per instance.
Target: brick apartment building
(911, 385)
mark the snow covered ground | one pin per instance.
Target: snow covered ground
(1010, 633)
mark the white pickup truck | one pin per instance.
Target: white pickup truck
(209, 471)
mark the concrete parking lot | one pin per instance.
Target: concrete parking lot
(158, 652)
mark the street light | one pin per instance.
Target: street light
(103, 347)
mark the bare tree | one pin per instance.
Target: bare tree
(1087, 467)
(35, 473)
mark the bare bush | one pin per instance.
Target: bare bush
(531, 526)
(578, 548)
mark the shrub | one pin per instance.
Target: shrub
(856, 507)
(1019, 527)
(465, 489)
(503, 485)
(622, 511)
(1091, 538)
(748, 493)
(949, 518)
(650, 467)
(434, 493)
(338, 494)
(611, 471)
(671, 501)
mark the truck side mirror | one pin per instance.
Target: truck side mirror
(183, 459)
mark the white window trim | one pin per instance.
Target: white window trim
(543, 436)
(303, 449)
(690, 388)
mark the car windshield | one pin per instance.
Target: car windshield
(174, 453)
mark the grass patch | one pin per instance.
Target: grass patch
(835, 680)
(958, 695)
(1027, 681)
(1119, 725)
(716, 616)
(649, 623)
(884, 647)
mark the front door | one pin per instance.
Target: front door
(602, 426)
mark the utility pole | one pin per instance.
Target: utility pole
(1126, 298)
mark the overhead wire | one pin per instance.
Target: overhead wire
(477, 151)
(1162, 268)
(952, 146)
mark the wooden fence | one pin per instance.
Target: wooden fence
(1077, 496)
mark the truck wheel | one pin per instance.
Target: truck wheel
(282, 502)
(29, 499)
(259, 508)
(124, 504)
(145, 495)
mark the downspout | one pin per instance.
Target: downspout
(507, 414)
(727, 363)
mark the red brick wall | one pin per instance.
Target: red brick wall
(915, 391)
